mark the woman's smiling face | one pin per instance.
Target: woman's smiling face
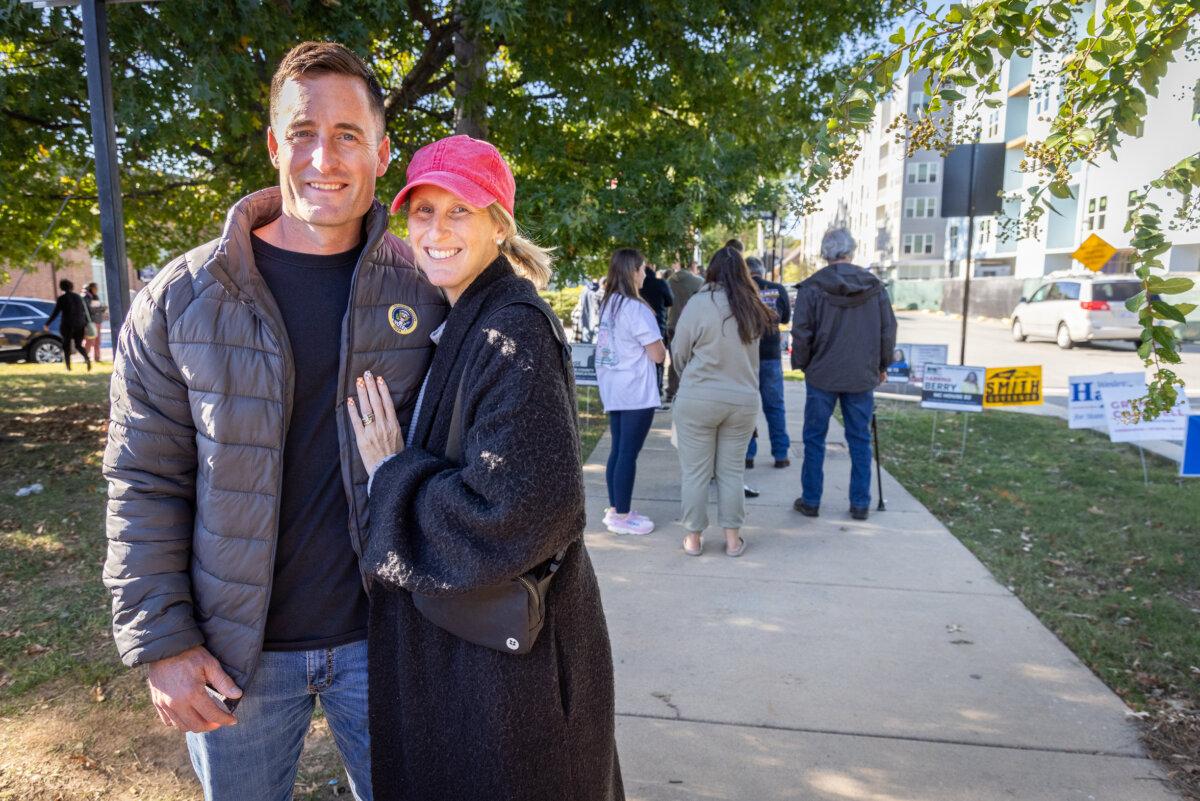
(454, 241)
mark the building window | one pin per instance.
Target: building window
(1135, 198)
(1096, 212)
(917, 102)
(953, 244)
(1046, 97)
(985, 232)
(920, 207)
(917, 244)
(883, 181)
(922, 173)
(883, 150)
(993, 123)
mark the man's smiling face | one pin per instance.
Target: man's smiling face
(328, 146)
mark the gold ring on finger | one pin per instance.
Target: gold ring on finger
(368, 418)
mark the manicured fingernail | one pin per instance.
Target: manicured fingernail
(359, 382)
(379, 379)
(367, 374)
(350, 401)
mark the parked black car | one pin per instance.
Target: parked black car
(21, 334)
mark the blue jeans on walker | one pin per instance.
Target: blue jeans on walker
(258, 757)
(857, 408)
(770, 389)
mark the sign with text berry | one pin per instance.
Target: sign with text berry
(1085, 396)
(1118, 404)
(1013, 386)
(953, 388)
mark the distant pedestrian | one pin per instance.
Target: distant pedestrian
(770, 368)
(74, 324)
(588, 310)
(657, 293)
(716, 348)
(843, 337)
(628, 346)
(96, 311)
(736, 244)
(684, 283)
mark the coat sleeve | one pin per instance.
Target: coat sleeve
(784, 305)
(58, 309)
(686, 334)
(802, 331)
(439, 528)
(150, 465)
(887, 333)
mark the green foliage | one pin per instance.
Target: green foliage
(627, 123)
(562, 301)
(1107, 72)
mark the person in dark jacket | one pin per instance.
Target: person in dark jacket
(843, 335)
(237, 509)
(770, 368)
(451, 719)
(75, 318)
(684, 283)
(657, 293)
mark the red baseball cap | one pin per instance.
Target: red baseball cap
(470, 168)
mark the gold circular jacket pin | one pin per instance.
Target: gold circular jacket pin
(402, 318)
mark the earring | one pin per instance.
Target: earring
(499, 242)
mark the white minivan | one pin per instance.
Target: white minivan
(1078, 308)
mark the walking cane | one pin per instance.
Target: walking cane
(878, 470)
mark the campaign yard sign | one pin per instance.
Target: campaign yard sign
(1013, 386)
(1169, 425)
(583, 359)
(908, 362)
(1190, 466)
(1085, 396)
(953, 388)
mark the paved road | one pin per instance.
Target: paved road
(840, 660)
(990, 344)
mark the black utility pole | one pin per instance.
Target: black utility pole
(962, 345)
(108, 173)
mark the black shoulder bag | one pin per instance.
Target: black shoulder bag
(505, 617)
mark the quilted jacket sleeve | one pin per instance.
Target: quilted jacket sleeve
(150, 465)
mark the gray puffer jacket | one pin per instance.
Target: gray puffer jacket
(201, 397)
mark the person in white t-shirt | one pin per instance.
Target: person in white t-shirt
(628, 346)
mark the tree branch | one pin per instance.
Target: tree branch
(47, 124)
(420, 79)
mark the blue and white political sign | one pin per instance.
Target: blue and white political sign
(908, 362)
(1190, 466)
(953, 388)
(1118, 404)
(583, 360)
(1085, 396)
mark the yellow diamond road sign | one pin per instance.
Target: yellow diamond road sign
(1094, 253)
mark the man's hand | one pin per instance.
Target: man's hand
(177, 690)
(883, 376)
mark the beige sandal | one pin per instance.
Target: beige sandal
(738, 551)
(695, 552)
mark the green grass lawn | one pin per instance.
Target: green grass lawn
(1063, 518)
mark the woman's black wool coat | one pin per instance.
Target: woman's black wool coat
(451, 720)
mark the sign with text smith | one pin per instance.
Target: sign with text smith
(1013, 386)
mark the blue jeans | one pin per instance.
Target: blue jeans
(629, 429)
(857, 408)
(770, 389)
(258, 757)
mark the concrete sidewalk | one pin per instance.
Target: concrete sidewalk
(872, 661)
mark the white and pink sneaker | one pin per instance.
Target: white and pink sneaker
(631, 523)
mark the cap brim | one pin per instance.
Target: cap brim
(454, 183)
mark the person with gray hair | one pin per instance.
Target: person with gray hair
(843, 335)
(770, 368)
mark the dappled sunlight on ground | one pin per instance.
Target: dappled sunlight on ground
(866, 785)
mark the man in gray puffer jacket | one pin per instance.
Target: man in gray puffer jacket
(237, 510)
(843, 334)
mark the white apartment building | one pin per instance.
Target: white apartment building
(889, 201)
(1102, 193)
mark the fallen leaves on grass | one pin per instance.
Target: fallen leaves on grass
(75, 422)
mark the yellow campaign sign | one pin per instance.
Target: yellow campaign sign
(1013, 386)
(1094, 253)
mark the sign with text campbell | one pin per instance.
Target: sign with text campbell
(1013, 386)
(953, 388)
(908, 362)
(1118, 402)
(1085, 393)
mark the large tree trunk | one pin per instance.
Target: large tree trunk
(470, 79)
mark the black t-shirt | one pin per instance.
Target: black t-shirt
(656, 293)
(776, 299)
(317, 599)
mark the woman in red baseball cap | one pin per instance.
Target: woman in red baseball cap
(484, 489)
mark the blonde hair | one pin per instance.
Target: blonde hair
(530, 259)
